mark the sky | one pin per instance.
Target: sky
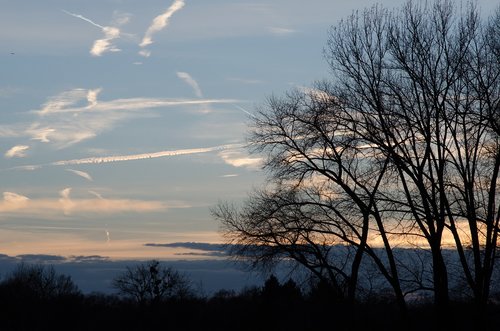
(123, 122)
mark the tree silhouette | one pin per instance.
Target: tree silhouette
(401, 147)
(152, 283)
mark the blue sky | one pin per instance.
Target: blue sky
(123, 122)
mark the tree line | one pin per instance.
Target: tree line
(152, 295)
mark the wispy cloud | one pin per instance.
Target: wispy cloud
(105, 44)
(71, 102)
(39, 133)
(158, 24)
(191, 82)
(14, 198)
(14, 203)
(91, 115)
(97, 195)
(238, 158)
(82, 174)
(17, 151)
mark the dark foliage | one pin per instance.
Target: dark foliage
(275, 306)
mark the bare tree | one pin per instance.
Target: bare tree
(402, 146)
(151, 282)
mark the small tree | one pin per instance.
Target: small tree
(151, 282)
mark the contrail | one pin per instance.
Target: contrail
(81, 174)
(119, 158)
(83, 18)
(245, 111)
(131, 157)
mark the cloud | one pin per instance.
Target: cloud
(92, 97)
(41, 258)
(14, 203)
(159, 23)
(17, 151)
(65, 201)
(71, 102)
(81, 174)
(14, 198)
(229, 175)
(99, 196)
(91, 116)
(63, 100)
(237, 158)
(201, 249)
(145, 53)
(105, 44)
(41, 134)
(281, 31)
(191, 82)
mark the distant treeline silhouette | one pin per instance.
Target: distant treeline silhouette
(35, 297)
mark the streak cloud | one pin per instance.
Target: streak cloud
(158, 24)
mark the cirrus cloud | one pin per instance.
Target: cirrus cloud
(17, 151)
(158, 24)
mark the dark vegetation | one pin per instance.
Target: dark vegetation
(35, 297)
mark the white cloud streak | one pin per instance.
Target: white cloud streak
(105, 44)
(82, 174)
(17, 151)
(158, 24)
(132, 157)
(191, 82)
